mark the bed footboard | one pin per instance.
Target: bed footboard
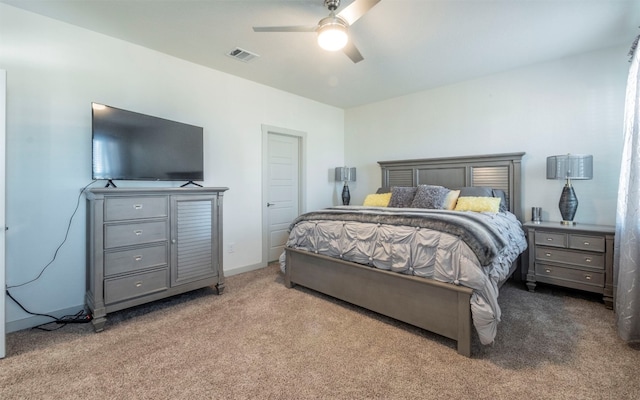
(438, 307)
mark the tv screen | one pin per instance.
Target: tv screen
(132, 146)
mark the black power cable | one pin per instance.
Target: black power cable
(66, 235)
(81, 316)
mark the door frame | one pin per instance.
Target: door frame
(302, 145)
(3, 180)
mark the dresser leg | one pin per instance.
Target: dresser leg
(219, 288)
(98, 323)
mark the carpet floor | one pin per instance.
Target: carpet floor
(260, 340)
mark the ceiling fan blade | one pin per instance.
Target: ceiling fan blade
(352, 52)
(285, 28)
(357, 9)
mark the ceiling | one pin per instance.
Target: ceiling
(407, 45)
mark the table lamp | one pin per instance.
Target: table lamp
(345, 175)
(568, 167)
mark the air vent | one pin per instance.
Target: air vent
(242, 55)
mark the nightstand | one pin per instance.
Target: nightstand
(575, 256)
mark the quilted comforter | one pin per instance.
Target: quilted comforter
(472, 249)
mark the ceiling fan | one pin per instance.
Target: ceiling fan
(332, 30)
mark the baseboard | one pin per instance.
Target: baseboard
(240, 270)
(35, 320)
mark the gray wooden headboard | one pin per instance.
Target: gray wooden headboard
(499, 171)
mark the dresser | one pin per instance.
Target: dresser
(147, 244)
(575, 256)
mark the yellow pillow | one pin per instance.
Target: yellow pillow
(377, 200)
(450, 200)
(479, 204)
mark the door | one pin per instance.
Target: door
(193, 239)
(282, 168)
(3, 152)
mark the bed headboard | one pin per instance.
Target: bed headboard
(499, 171)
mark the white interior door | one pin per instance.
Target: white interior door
(282, 189)
(3, 153)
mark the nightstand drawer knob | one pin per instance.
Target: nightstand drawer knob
(138, 232)
(587, 260)
(547, 254)
(549, 239)
(547, 270)
(586, 243)
(137, 206)
(587, 277)
(138, 258)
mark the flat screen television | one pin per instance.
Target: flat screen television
(133, 146)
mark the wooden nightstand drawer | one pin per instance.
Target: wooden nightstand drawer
(549, 254)
(123, 208)
(583, 242)
(551, 239)
(570, 277)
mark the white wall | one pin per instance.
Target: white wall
(573, 105)
(54, 72)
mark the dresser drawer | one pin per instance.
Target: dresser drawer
(129, 287)
(119, 262)
(123, 208)
(584, 242)
(570, 277)
(550, 254)
(117, 235)
(551, 239)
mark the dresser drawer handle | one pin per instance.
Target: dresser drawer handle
(547, 270)
(138, 232)
(137, 206)
(587, 277)
(547, 254)
(587, 260)
(586, 243)
(139, 284)
(549, 239)
(138, 258)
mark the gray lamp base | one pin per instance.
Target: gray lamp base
(568, 204)
(346, 196)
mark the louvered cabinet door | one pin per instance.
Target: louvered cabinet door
(194, 238)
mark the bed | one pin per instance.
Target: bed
(443, 305)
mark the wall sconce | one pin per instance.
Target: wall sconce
(345, 175)
(569, 166)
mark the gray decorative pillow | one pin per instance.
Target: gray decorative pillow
(430, 196)
(402, 196)
(504, 206)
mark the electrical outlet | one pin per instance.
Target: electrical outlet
(232, 247)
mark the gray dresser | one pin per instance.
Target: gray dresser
(148, 244)
(576, 256)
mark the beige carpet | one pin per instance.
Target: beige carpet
(260, 340)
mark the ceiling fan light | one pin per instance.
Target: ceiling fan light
(332, 36)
